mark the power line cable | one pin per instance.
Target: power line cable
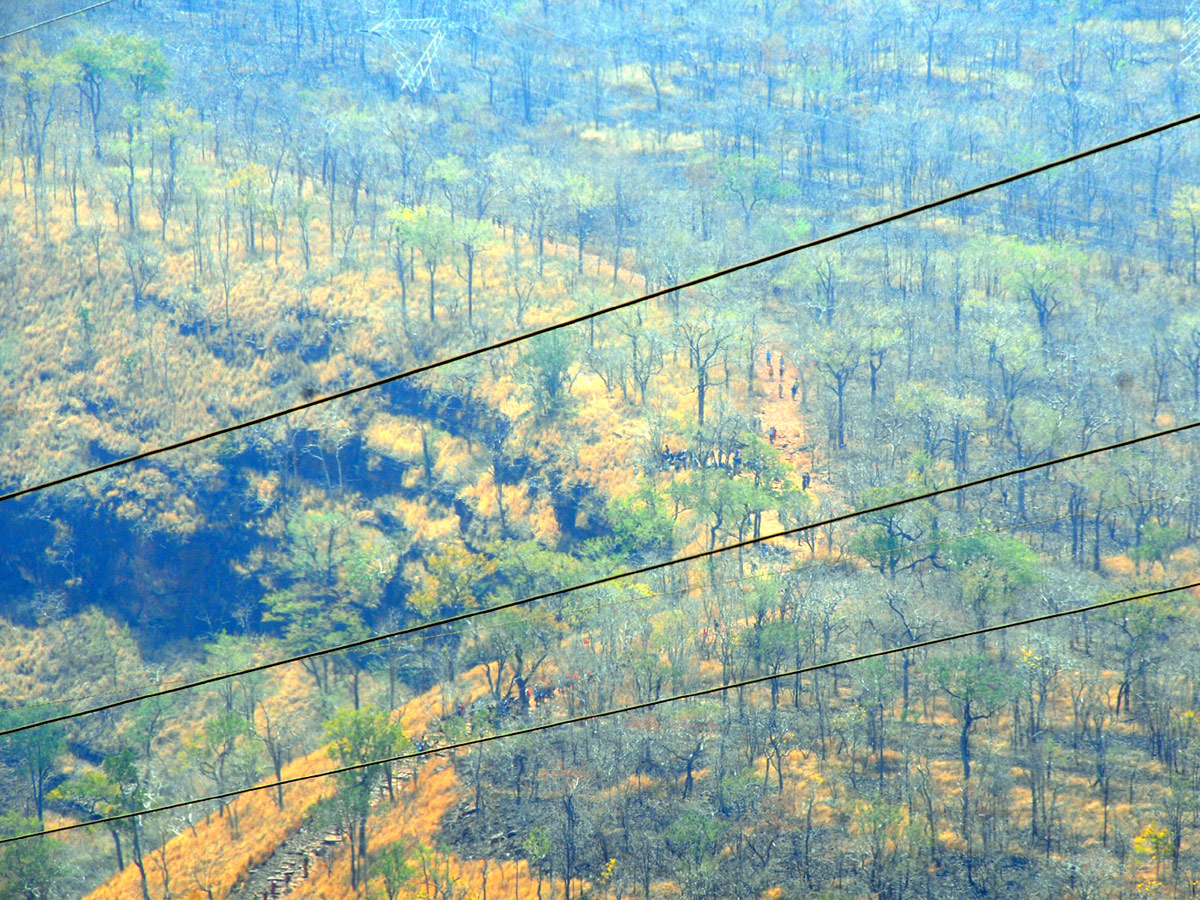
(606, 310)
(576, 320)
(903, 548)
(51, 21)
(632, 707)
(608, 579)
(704, 585)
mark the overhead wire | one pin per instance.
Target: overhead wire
(708, 584)
(661, 292)
(605, 310)
(812, 565)
(608, 579)
(567, 323)
(51, 21)
(604, 714)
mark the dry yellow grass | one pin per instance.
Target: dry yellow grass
(606, 464)
(414, 820)
(212, 856)
(424, 522)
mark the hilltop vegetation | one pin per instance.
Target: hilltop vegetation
(209, 212)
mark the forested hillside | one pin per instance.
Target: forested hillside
(213, 211)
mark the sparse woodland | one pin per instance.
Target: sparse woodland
(211, 211)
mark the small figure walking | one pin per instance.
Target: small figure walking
(770, 368)
(771, 434)
(780, 387)
(781, 368)
(805, 481)
(795, 389)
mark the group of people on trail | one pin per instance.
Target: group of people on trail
(772, 433)
(782, 370)
(686, 459)
(680, 460)
(535, 696)
(771, 368)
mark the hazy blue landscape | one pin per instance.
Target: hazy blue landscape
(213, 212)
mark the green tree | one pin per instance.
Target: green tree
(537, 846)
(225, 754)
(752, 182)
(140, 62)
(880, 825)
(1141, 634)
(34, 753)
(36, 80)
(141, 65)
(449, 174)
(391, 866)
(838, 354)
(326, 576)
(693, 836)
(944, 418)
(121, 771)
(526, 567)
(95, 65)
(1033, 430)
(640, 525)
(996, 570)
(29, 869)
(549, 363)
(1046, 276)
(431, 232)
(977, 690)
(359, 736)
(96, 796)
(585, 199)
(1158, 542)
(513, 653)
(450, 582)
(717, 498)
(707, 336)
(473, 237)
(886, 538)
(248, 185)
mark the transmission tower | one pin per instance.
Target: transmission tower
(1189, 52)
(411, 68)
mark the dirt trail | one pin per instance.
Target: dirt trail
(292, 862)
(595, 265)
(312, 851)
(302, 854)
(777, 409)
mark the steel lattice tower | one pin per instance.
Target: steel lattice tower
(1189, 52)
(411, 71)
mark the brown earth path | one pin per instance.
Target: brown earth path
(776, 408)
